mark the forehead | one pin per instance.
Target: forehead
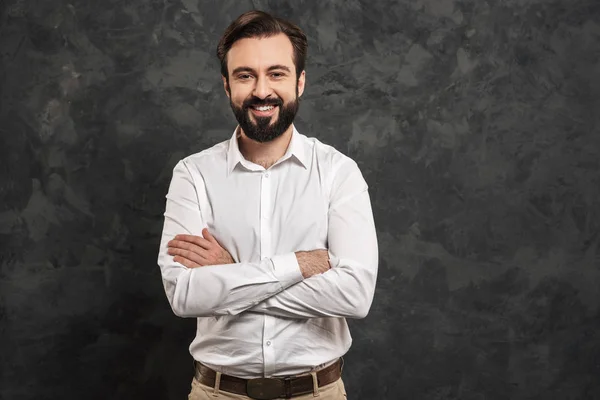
(261, 53)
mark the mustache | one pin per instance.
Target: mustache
(257, 102)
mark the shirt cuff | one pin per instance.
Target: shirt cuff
(334, 262)
(287, 269)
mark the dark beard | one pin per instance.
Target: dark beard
(263, 131)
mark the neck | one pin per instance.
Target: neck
(265, 154)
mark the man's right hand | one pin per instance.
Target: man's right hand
(313, 262)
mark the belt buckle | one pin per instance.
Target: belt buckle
(265, 388)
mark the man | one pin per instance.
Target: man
(268, 237)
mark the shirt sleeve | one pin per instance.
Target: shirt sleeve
(217, 289)
(347, 289)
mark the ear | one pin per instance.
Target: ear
(226, 86)
(301, 83)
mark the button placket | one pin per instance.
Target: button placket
(269, 345)
(265, 250)
(265, 209)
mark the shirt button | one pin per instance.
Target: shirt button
(266, 174)
(268, 342)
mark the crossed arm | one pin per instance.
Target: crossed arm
(201, 251)
(202, 279)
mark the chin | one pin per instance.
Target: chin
(255, 122)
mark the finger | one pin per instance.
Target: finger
(181, 244)
(189, 255)
(190, 251)
(207, 235)
(186, 262)
(197, 240)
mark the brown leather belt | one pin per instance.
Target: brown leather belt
(269, 388)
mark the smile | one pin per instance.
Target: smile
(263, 111)
(264, 108)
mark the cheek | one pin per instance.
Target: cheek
(238, 94)
(237, 100)
(288, 95)
(289, 99)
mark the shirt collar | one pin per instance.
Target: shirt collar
(296, 148)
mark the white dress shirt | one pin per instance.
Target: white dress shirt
(260, 317)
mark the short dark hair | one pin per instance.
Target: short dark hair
(260, 24)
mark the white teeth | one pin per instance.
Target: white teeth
(264, 108)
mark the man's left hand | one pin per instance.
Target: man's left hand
(198, 251)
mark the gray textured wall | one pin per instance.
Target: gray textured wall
(475, 124)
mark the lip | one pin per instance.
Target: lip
(268, 113)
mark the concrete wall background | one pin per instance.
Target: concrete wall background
(474, 122)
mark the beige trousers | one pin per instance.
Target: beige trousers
(333, 391)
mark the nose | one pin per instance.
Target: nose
(262, 89)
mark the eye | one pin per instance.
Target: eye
(277, 75)
(244, 77)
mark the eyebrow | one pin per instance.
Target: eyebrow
(271, 68)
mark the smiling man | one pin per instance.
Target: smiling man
(268, 238)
